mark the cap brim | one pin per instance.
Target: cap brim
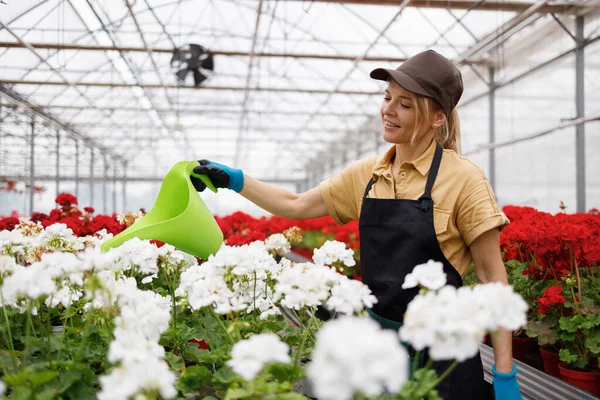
(401, 78)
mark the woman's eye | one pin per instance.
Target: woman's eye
(404, 105)
(386, 98)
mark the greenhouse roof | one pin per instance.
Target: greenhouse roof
(290, 81)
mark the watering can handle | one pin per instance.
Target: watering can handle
(206, 181)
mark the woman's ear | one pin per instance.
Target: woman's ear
(438, 119)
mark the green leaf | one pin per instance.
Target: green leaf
(291, 396)
(193, 353)
(281, 372)
(566, 356)
(236, 393)
(209, 398)
(271, 326)
(43, 377)
(174, 361)
(593, 344)
(80, 390)
(193, 378)
(544, 330)
(47, 394)
(21, 393)
(569, 324)
(225, 375)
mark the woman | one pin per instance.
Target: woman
(420, 201)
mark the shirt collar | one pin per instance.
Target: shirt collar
(421, 164)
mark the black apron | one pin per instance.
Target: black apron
(395, 236)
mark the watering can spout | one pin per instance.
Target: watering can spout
(179, 217)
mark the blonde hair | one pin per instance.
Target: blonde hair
(446, 135)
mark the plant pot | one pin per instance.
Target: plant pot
(588, 381)
(521, 347)
(551, 360)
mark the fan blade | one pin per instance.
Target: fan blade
(196, 51)
(208, 62)
(182, 74)
(199, 77)
(177, 56)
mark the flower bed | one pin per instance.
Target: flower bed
(145, 320)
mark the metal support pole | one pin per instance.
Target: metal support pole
(492, 128)
(124, 187)
(580, 106)
(104, 185)
(76, 168)
(57, 161)
(91, 177)
(1, 120)
(32, 165)
(114, 191)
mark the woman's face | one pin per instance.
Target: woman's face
(397, 114)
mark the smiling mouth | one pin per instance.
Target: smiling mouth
(387, 123)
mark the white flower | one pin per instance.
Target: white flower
(129, 346)
(60, 237)
(2, 388)
(305, 285)
(65, 296)
(249, 356)
(430, 275)
(149, 278)
(278, 242)
(31, 282)
(350, 296)
(452, 322)
(333, 251)
(132, 378)
(354, 355)
(140, 253)
(7, 265)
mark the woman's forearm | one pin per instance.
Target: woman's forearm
(282, 202)
(502, 343)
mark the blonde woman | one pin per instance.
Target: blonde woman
(420, 201)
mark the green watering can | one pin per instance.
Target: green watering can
(179, 216)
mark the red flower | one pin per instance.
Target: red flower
(552, 295)
(8, 223)
(157, 243)
(89, 210)
(38, 217)
(65, 199)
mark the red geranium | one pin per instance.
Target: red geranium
(552, 295)
(65, 199)
(89, 210)
(8, 223)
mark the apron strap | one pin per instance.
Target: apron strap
(433, 170)
(368, 189)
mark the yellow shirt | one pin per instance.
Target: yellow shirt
(464, 203)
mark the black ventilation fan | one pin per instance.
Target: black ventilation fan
(192, 58)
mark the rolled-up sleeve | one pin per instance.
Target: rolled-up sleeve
(340, 192)
(478, 212)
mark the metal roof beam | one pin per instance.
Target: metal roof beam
(207, 87)
(125, 49)
(515, 6)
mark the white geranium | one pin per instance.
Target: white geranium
(354, 355)
(63, 265)
(31, 282)
(130, 346)
(249, 356)
(279, 243)
(430, 275)
(7, 265)
(2, 388)
(305, 285)
(452, 322)
(60, 237)
(139, 253)
(333, 251)
(133, 378)
(144, 312)
(506, 309)
(350, 296)
(65, 296)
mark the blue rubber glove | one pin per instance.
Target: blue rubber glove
(506, 386)
(220, 175)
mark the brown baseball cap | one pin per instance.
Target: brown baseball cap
(429, 74)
